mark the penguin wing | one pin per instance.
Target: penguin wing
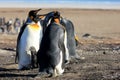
(18, 40)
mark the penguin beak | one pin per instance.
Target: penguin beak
(33, 15)
(39, 10)
(36, 11)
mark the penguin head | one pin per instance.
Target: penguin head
(56, 14)
(33, 15)
(56, 17)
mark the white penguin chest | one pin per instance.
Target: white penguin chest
(31, 37)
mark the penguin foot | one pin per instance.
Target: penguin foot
(77, 57)
(25, 68)
(42, 75)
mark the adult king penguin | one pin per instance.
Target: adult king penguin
(53, 52)
(29, 37)
(72, 39)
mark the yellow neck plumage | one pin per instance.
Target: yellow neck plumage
(34, 26)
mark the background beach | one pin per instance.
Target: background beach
(96, 17)
(99, 51)
(97, 22)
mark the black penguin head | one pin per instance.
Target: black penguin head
(56, 17)
(33, 15)
(56, 14)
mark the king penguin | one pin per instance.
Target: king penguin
(30, 36)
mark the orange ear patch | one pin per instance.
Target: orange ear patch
(34, 26)
(57, 20)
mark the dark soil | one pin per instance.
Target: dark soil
(98, 61)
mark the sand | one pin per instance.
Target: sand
(95, 22)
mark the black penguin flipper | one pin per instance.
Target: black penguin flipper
(18, 40)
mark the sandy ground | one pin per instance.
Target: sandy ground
(99, 52)
(96, 22)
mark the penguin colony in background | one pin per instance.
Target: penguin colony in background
(47, 43)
